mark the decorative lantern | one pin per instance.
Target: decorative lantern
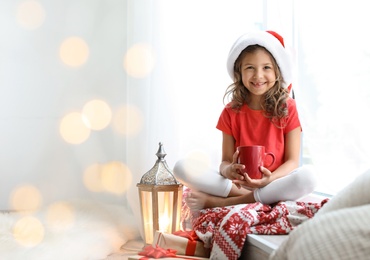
(160, 198)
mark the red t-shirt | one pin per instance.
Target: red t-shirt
(251, 127)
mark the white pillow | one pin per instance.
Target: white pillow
(340, 234)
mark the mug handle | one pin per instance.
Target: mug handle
(273, 159)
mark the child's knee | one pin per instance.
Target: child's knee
(305, 178)
(179, 170)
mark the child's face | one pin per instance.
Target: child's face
(258, 72)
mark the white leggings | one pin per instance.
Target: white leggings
(295, 185)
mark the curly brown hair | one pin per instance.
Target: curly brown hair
(274, 103)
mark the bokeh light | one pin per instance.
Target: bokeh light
(25, 197)
(98, 113)
(74, 51)
(112, 177)
(92, 178)
(60, 216)
(28, 231)
(116, 177)
(30, 14)
(73, 128)
(127, 120)
(139, 60)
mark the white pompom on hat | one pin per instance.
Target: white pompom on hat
(273, 42)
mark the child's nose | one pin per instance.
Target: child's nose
(258, 74)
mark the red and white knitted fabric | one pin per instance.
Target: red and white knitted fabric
(224, 229)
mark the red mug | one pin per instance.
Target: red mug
(253, 157)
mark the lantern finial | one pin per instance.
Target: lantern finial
(161, 153)
(160, 173)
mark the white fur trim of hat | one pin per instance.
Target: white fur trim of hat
(273, 42)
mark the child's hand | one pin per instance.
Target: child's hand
(234, 170)
(255, 183)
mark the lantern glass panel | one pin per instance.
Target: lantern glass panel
(147, 215)
(177, 208)
(165, 211)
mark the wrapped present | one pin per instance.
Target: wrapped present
(184, 242)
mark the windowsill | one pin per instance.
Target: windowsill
(266, 243)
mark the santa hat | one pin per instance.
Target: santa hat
(273, 42)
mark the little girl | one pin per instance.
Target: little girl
(260, 112)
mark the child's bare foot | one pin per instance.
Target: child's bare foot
(197, 200)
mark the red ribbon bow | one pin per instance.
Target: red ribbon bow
(156, 252)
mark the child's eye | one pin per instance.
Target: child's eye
(267, 67)
(249, 67)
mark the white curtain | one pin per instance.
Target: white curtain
(60, 60)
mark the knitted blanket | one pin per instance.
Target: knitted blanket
(224, 229)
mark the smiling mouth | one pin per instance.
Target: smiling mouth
(258, 84)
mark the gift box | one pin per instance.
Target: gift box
(184, 242)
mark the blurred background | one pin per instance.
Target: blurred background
(88, 89)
